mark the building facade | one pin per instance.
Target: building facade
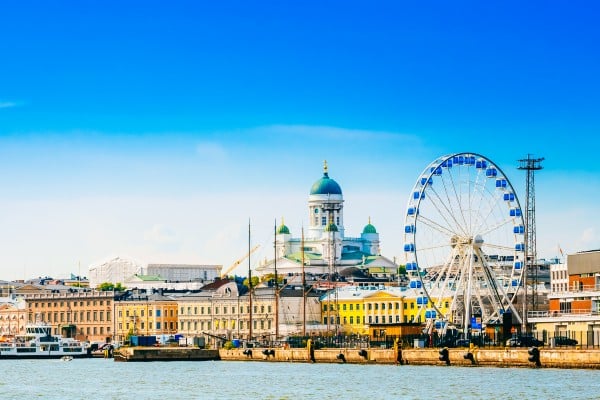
(325, 248)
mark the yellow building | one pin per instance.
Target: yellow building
(355, 308)
(142, 313)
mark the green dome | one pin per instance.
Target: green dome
(283, 230)
(325, 185)
(369, 228)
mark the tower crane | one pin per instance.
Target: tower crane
(238, 262)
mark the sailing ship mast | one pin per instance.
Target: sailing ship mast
(276, 285)
(303, 288)
(249, 288)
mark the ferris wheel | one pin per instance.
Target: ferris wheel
(464, 243)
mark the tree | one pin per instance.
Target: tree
(108, 286)
(255, 281)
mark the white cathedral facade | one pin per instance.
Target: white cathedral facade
(325, 248)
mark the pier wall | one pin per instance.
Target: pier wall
(498, 357)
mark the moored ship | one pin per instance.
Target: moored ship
(38, 342)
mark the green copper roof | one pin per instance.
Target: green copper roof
(369, 229)
(283, 230)
(325, 185)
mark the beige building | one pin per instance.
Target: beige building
(86, 315)
(222, 313)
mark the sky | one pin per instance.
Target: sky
(162, 131)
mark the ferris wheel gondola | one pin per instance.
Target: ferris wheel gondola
(464, 242)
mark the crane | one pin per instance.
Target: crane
(237, 262)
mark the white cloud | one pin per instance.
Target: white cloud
(9, 104)
(335, 133)
(589, 238)
(212, 151)
(160, 234)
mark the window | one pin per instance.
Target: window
(269, 309)
(120, 313)
(158, 313)
(101, 315)
(351, 320)
(323, 221)
(158, 325)
(216, 310)
(224, 310)
(108, 315)
(351, 307)
(344, 307)
(195, 311)
(142, 313)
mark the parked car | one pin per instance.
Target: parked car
(524, 341)
(564, 341)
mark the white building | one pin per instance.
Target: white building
(131, 273)
(326, 247)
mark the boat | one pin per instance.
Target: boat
(66, 358)
(38, 342)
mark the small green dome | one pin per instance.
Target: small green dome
(369, 228)
(325, 185)
(283, 230)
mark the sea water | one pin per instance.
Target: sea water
(98, 378)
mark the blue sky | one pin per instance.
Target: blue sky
(156, 130)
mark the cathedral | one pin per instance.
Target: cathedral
(324, 247)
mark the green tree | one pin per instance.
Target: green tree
(108, 286)
(255, 281)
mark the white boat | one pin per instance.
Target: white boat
(38, 342)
